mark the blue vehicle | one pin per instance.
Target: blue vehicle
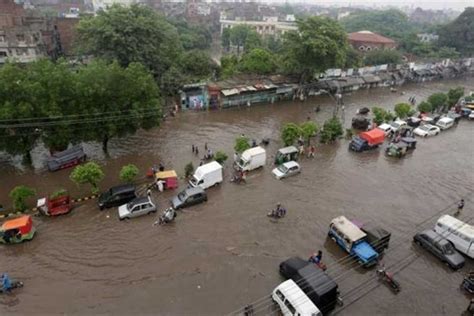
(353, 240)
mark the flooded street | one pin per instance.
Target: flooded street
(224, 254)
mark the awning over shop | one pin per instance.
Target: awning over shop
(229, 92)
(371, 79)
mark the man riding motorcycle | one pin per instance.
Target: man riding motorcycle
(278, 212)
(6, 283)
(168, 216)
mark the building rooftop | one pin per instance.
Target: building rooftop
(369, 37)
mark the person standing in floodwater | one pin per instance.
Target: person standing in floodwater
(193, 148)
(196, 151)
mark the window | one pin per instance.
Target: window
(280, 295)
(20, 37)
(2, 38)
(290, 307)
(3, 54)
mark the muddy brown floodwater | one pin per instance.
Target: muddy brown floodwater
(223, 254)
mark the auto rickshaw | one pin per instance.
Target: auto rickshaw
(55, 206)
(17, 230)
(286, 154)
(169, 177)
(400, 149)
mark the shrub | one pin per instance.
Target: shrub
(241, 144)
(332, 129)
(188, 170)
(90, 173)
(220, 157)
(19, 195)
(128, 173)
(290, 133)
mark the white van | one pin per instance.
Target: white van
(445, 123)
(460, 234)
(207, 175)
(293, 301)
(252, 158)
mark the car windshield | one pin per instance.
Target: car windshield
(395, 124)
(425, 128)
(448, 249)
(283, 169)
(182, 196)
(130, 205)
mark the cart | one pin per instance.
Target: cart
(169, 177)
(56, 206)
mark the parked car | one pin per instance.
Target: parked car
(286, 170)
(426, 130)
(445, 123)
(413, 121)
(471, 116)
(396, 125)
(386, 128)
(117, 196)
(138, 207)
(189, 197)
(440, 247)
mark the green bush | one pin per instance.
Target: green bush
(220, 157)
(402, 110)
(425, 107)
(90, 173)
(58, 193)
(308, 129)
(188, 170)
(129, 173)
(241, 144)
(290, 133)
(19, 196)
(332, 129)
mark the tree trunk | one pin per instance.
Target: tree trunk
(27, 160)
(105, 142)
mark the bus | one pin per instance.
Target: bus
(353, 240)
(460, 234)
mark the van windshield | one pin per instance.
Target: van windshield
(448, 249)
(194, 181)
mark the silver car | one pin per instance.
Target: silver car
(286, 170)
(137, 207)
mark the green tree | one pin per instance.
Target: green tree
(128, 173)
(225, 39)
(89, 173)
(425, 107)
(130, 94)
(253, 41)
(403, 110)
(272, 43)
(459, 34)
(381, 115)
(257, 61)
(242, 36)
(290, 133)
(130, 34)
(392, 23)
(19, 195)
(438, 100)
(353, 59)
(454, 95)
(332, 129)
(380, 57)
(308, 129)
(447, 52)
(192, 35)
(220, 157)
(197, 65)
(320, 43)
(241, 144)
(229, 65)
(188, 169)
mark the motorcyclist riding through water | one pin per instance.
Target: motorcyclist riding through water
(6, 283)
(278, 212)
(168, 216)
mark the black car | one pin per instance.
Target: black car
(315, 283)
(188, 197)
(117, 196)
(440, 247)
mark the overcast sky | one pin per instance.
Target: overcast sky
(425, 4)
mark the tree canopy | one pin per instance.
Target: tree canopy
(380, 57)
(130, 34)
(258, 61)
(459, 34)
(320, 43)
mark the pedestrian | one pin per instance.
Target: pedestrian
(193, 148)
(205, 146)
(161, 167)
(343, 108)
(160, 185)
(148, 192)
(201, 163)
(302, 150)
(254, 143)
(196, 151)
(312, 150)
(460, 206)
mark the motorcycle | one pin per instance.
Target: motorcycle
(468, 283)
(276, 214)
(15, 285)
(164, 218)
(388, 278)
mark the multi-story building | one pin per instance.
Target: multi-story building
(103, 4)
(366, 41)
(21, 34)
(427, 37)
(267, 26)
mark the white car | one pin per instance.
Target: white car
(286, 170)
(386, 128)
(397, 125)
(471, 115)
(137, 207)
(427, 130)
